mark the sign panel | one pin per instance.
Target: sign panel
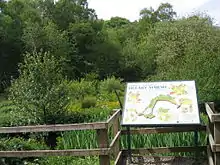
(161, 103)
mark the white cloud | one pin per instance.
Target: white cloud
(130, 9)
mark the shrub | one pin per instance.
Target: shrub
(108, 87)
(88, 102)
(111, 84)
(17, 144)
(80, 89)
(40, 91)
(108, 104)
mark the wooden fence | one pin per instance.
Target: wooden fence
(213, 132)
(106, 150)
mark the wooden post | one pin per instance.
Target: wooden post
(215, 130)
(102, 136)
(217, 141)
(115, 131)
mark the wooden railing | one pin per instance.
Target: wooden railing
(213, 132)
(157, 150)
(106, 151)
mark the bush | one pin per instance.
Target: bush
(88, 102)
(108, 104)
(111, 84)
(18, 144)
(108, 87)
(93, 114)
(82, 88)
(40, 91)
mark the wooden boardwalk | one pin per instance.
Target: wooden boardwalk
(141, 160)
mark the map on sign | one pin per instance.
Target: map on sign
(161, 103)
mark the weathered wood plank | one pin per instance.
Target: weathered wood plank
(165, 130)
(54, 128)
(116, 133)
(119, 159)
(211, 105)
(102, 136)
(211, 140)
(114, 117)
(217, 143)
(209, 154)
(213, 117)
(209, 112)
(115, 140)
(214, 147)
(210, 158)
(165, 150)
(43, 153)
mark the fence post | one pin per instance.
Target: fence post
(217, 141)
(102, 136)
(115, 131)
(215, 131)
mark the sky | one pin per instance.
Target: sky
(130, 9)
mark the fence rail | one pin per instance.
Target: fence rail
(54, 128)
(165, 150)
(42, 153)
(165, 129)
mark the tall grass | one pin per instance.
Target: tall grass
(167, 139)
(85, 139)
(88, 140)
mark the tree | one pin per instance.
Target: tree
(13, 17)
(188, 49)
(163, 13)
(117, 22)
(72, 11)
(40, 91)
(138, 59)
(50, 38)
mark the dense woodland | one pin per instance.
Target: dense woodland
(60, 63)
(155, 47)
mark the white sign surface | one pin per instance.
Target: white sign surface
(161, 103)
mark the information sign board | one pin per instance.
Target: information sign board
(161, 103)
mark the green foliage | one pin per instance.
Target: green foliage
(75, 11)
(150, 48)
(40, 90)
(93, 114)
(105, 58)
(139, 59)
(188, 50)
(79, 89)
(18, 144)
(78, 140)
(7, 117)
(88, 102)
(108, 88)
(62, 160)
(164, 12)
(116, 22)
(111, 84)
